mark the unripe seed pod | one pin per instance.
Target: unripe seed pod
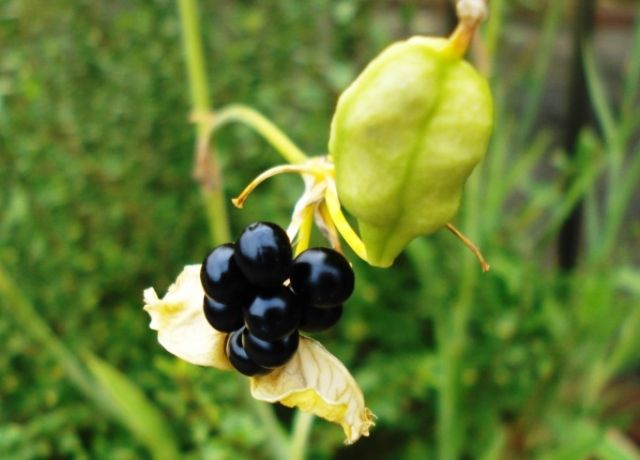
(404, 138)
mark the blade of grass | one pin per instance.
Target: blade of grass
(603, 111)
(580, 439)
(541, 64)
(622, 194)
(588, 169)
(632, 78)
(32, 324)
(27, 318)
(616, 446)
(493, 31)
(129, 404)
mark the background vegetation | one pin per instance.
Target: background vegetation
(97, 202)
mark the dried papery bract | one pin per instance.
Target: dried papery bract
(313, 380)
(316, 381)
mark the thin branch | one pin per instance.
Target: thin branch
(472, 247)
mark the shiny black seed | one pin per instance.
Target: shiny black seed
(273, 314)
(319, 319)
(222, 317)
(222, 279)
(270, 354)
(322, 277)
(238, 357)
(263, 252)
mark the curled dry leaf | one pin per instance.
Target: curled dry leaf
(316, 381)
(182, 327)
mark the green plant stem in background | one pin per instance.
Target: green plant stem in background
(211, 187)
(493, 30)
(278, 442)
(301, 430)
(451, 327)
(214, 194)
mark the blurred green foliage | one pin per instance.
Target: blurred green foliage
(97, 203)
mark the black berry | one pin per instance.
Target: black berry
(319, 319)
(270, 354)
(238, 357)
(322, 277)
(222, 279)
(263, 252)
(273, 314)
(222, 317)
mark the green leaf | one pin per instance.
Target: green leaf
(598, 95)
(134, 410)
(581, 439)
(628, 279)
(616, 446)
(587, 439)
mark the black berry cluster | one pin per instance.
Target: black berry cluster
(246, 295)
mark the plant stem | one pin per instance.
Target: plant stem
(207, 174)
(261, 124)
(277, 438)
(301, 430)
(451, 326)
(205, 171)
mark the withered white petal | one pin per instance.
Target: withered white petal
(313, 195)
(182, 327)
(316, 381)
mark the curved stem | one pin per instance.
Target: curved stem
(349, 235)
(240, 199)
(471, 245)
(470, 14)
(259, 123)
(461, 38)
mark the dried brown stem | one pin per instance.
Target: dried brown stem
(472, 247)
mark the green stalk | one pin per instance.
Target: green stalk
(211, 186)
(493, 32)
(301, 430)
(278, 442)
(540, 70)
(451, 326)
(263, 126)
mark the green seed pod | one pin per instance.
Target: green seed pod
(404, 138)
